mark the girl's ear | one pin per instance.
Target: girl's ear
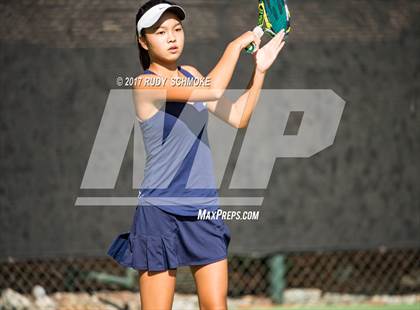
(142, 42)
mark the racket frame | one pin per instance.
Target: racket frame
(265, 24)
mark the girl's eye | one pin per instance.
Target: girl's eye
(178, 29)
(161, 32)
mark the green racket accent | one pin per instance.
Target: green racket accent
(251, 48)
(273, 16)
(276, 16)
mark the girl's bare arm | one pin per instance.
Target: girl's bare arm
(218, 78)
(238, 113)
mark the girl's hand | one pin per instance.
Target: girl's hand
(246, 38)
(265, 56)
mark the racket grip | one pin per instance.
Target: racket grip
(252, 46)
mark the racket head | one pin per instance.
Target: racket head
(273, 16)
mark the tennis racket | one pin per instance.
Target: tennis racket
(273, 16)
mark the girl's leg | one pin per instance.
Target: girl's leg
(212, 285)
(157, 289)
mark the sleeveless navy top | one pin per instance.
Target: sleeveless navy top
(178, 174)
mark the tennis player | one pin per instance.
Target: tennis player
(179, 183)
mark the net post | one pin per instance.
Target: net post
(277, 277)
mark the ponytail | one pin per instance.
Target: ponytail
(143, 54)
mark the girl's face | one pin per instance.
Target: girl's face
(165, 39)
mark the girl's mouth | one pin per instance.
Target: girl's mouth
(173, 49)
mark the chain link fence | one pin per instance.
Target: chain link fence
(384, 271)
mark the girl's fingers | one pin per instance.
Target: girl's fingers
(281, 43)
(257, 39)
(277, 39)
(279, 36)
(276, 42)
(278, 49)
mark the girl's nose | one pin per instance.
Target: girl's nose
(171, 36)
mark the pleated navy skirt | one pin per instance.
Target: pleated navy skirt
(159, 240)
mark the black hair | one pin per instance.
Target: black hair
(144, 54)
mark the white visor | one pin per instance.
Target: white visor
(153, 14)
